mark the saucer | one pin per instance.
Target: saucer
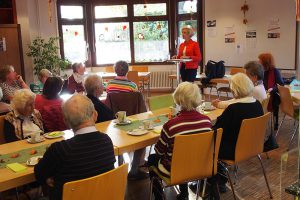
(124, 123)
(137, 132)
(55, 134)
(33, 160)
(208, 109)
(42, 139)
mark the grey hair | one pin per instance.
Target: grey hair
(44, 73)
(91, 83)
(241, 85)
(187, 95)
(20, 99)
(254, 68)
(121, 68)
(77, 110)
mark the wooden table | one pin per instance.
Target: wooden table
(128, 143)
(122, 143)
(10, 179)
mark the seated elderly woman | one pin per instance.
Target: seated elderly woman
(37, 88)
(23, 119)
(10, 82)
(75, 81)
(232, 117)
(49, 105)
(255, 72)
(94, 88)
(121, 83)
(188, 97)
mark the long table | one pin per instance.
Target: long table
(122, 143)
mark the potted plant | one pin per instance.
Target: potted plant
(45, 56)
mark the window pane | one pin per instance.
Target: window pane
(74, 43)
(110, 11)
(157, 9)
(71, 12)
(112, 42)
(151, 41)
(187, 7)
(192, 23)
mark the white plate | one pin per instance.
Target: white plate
(123, 123)
(42, 139)
(209, 109)
(137, 132)
(33, 160)
(57, 134)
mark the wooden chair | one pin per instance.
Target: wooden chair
(233, 71)
(162, 101)
(143, 81)
(2, 138)
(288, 108)
(265, 103)
(139, 68)
(134, 77)
(197, 164)
(250, 143)
(109, 69)
(109, 185)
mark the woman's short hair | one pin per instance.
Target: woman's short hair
(91, 83)
(44, 73)
(190, 30)
(267, 60)
(20, 99)
(4, 71)
(187, 95)
(254, 68)
(75, 66)
(241, 85)
(121, 68)
(52, 87)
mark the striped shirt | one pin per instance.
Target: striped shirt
(120, 85)
(9, 90)
(186, 122)
(83, 156)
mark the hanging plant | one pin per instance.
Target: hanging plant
(245, 9)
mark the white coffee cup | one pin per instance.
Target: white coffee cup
(121, 116)
(35, 137)
(207, 105)
(147, 124)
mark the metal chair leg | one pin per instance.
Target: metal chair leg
(264, 172)
(204, 187)
(228, 176)
(291, 140)
(198, 188)
(17, 193)
(280, 125)
(235, 171)
(151, 189)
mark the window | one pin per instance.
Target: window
(103, 32)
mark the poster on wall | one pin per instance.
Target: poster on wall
(229, 34)
(274, 29)
(211, 28)
(251, 39)
(2, 44)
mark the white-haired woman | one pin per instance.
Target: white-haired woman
(232, 117)
(37, 87)
(189, 49)
(75, 81)
(94, 88)
(188, 97)
(23, 119)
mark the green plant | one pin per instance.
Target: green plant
(45, 55)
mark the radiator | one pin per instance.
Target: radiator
(160, 79)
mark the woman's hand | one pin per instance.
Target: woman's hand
(270, 90)
(215, 102)
(183, 57)
(174, 57)
(22, 82)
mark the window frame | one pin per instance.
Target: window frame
(89, 21)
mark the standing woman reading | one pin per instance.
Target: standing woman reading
(188, 49)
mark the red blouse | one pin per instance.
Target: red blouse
(192, 51)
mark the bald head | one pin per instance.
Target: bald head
(79, 112)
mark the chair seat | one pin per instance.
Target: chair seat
(224, 89)
(167, 180)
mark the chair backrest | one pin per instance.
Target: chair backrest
(250, 141)
(140, 68)
(133, 76)
(265, 103)
(109, 69)
(131, 102)
(286, 101)
(235, 70)
(193, 156)
(161, 101)
(109, 185)
(2, 138)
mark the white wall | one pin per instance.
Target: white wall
(228, 13)
(32, 15)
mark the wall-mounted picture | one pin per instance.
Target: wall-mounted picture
(2, 44)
